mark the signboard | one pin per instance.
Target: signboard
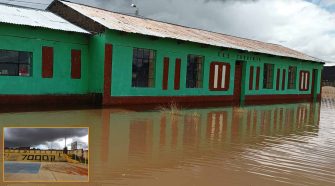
(74, 145)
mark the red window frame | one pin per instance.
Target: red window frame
(302, 85)
(75, 64)
(251, 77)
(166, 73)
(47, 62)
(177, 74)
(219, 78)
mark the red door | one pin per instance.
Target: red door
(238, 83)
(107, 74)
(314, 86)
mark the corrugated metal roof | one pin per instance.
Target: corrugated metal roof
(131, 24)
(36, 18)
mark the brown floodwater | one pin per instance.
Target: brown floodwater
(292, 144)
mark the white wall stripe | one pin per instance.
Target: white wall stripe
(302, 80)
(216, 74)
(223, 82)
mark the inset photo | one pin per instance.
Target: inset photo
(46, 154)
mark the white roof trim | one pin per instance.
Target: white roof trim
(36, 18)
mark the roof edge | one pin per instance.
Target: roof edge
(317, 60)
(74, 17)
(20, 6)
(42, 12)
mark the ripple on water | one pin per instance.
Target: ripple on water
(291, 144)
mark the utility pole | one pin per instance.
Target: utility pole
(136, 9)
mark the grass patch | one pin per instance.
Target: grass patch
(240, 110)
(172, 109)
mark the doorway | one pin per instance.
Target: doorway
(238, 89)
(315, 85)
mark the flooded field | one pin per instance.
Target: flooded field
(292, 144)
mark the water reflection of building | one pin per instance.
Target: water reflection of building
(121, 142)
(155, 139)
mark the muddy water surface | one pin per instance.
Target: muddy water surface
(290, 144)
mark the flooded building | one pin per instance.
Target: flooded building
(134, 60)
(43, 57)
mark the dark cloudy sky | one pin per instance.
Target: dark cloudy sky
(304, 25)
(44, 137)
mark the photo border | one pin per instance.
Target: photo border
(35, 181)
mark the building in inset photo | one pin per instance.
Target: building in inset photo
(46, 155)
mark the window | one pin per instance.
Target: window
(292, 73)
(47, 62)
(268, 76)
(283, 80)
(15, 63)
(304, 80)
(219, 76)
(143, 67)
(75, 64)
(194, 74)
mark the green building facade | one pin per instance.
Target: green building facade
(288, 88)
(118, 67)
(26, 39)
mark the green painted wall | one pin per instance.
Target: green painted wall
(124, 43)
(122, 65)
(96, 64)
(23, 38)
(281, 63)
